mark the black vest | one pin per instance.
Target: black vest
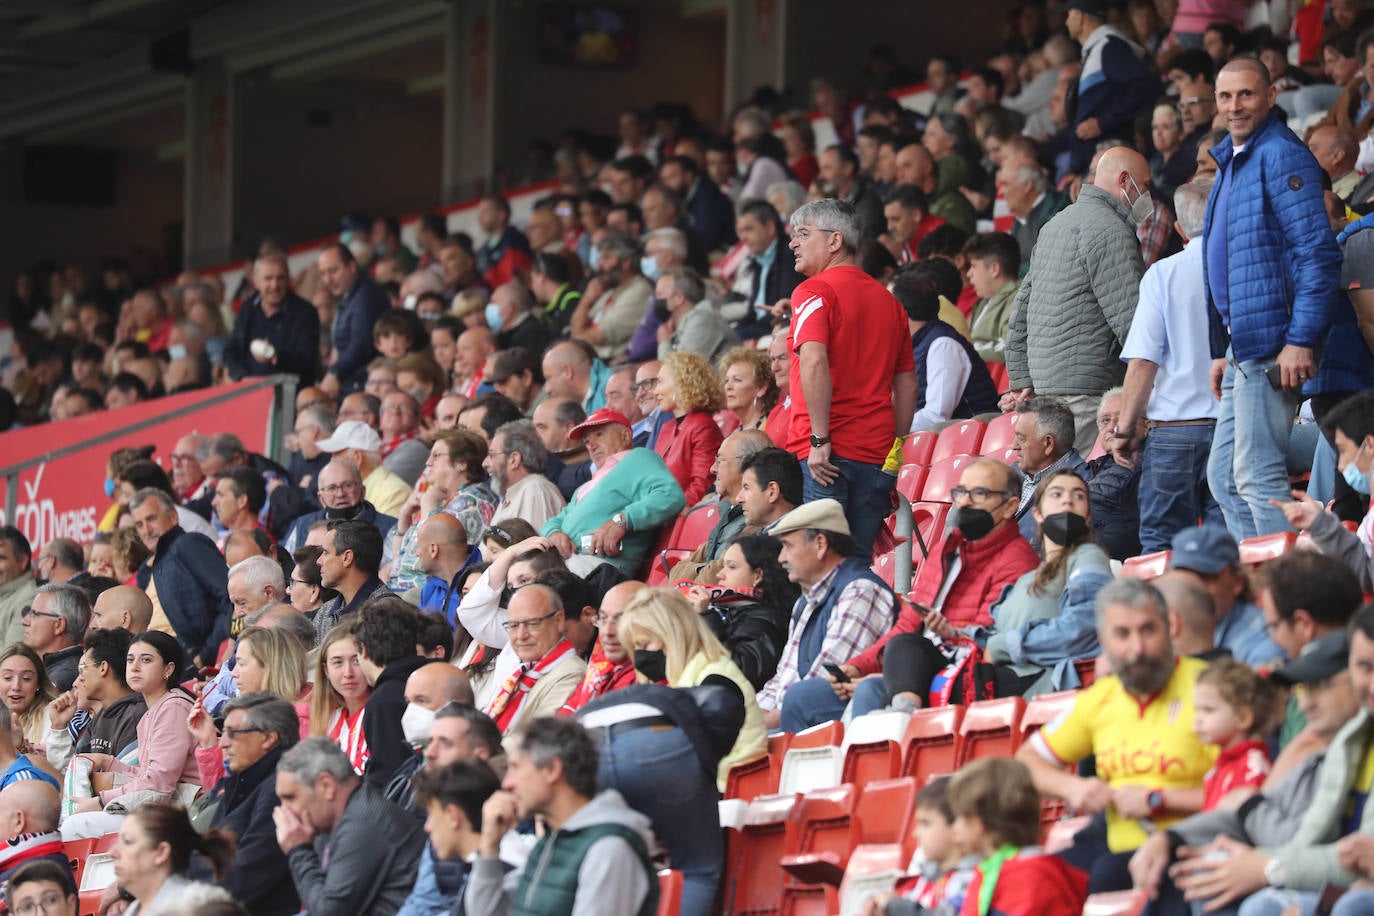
(979, 394)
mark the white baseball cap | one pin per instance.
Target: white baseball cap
(351, 434)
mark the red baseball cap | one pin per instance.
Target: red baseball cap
(600, 418)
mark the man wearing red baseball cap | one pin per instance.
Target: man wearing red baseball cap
(615, 514)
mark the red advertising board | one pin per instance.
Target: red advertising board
(63, 495)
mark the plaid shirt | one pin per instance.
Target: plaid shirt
(861, 614)
(1154, 233)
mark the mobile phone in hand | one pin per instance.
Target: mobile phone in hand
(1274, 374)
(837, 672)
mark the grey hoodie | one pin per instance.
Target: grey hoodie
(611, 880)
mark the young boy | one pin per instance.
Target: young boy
(943, 867)
(993, 261)
(393, 335)
(997, 815)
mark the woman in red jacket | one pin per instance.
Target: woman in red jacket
(690, 390)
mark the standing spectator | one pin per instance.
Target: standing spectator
(1166, 386)
(505, 255)
(328, 817)
(845, 432)
(1272, 269)
(994, 263)
(275, 316)
(769, 274)
(689, 391)
(17, 585)
(1113, 87)
(361, 303)
(1075, 306)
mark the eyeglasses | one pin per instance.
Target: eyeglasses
(48, 903)
(975, 494)
(233, 734)
(333, 488)
(182, 459)
(804, 232)
(295, 581)
(646, 384)
(30, 612)
(722, 460)
(533, 624)
(602, 618)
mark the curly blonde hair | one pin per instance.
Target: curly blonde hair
(698, 386)
(759, 367)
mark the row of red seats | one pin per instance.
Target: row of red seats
(964, 437)
(1254, 552)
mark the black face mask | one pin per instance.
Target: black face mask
(661, 310)
(347, 512)
(652, 663)
(1064, 527)
(973, 524)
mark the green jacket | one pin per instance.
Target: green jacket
(990, 319)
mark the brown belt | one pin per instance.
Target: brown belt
(1153, 424)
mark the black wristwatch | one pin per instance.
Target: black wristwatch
(819, 441)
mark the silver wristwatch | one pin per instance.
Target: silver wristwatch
(619, 519)
(1274, 874)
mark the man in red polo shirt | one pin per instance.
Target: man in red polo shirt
(853, 381)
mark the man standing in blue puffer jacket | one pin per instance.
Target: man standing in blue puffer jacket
(1271, 266)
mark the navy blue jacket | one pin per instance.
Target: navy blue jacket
(1282, 263)
(711, 214)
(294, 330)
(362, 305)
(813, 637)
(1113, 495)
(260, 877)
(1114, 87)
(1347, 364)
(192, 587)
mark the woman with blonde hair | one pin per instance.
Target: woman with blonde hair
(27, 690)
(690, 392)
(673, 644)
(341, 693)
(750, 390)
(267, 659)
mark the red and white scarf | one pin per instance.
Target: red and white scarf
(346, 730)
(505, 707)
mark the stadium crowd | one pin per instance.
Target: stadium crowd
(577, 514)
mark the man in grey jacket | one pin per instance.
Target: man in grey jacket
(1075, 306)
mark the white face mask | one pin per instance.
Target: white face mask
(1142, 206)
(416, 724)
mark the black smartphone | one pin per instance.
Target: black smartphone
(836, 672)
(1275, 376)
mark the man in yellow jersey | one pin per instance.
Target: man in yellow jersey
(1138, 724)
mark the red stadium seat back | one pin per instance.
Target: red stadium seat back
(769, 833)
(669, 892)
(825, 822)
(805, 769)
(77, 851)
(886, 809)
(930, 518)
(696, 527)
(885, 565)
(873, 760)
(104, 843)
(943, 477)
(991, 728)
(778, 744)
(910, 479)
(959, 438)
(931, 743)
(1087, 670)
(1146, 566)
(663, 565)
(752, 778)
(1008, 456)
(1044, 709)
(727, 421)
(809, 900)
(1000, 377)
(1257, 551)
(999, 434)
(88, 903)
(667, 539)
(827, 734)
(1118, 903)
(873, 869)
(918, 447)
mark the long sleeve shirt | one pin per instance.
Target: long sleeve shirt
(294, 330)
(166, 751)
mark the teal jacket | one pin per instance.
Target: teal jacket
(642, 488)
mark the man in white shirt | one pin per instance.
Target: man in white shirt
(1167, 359)
(516, 461)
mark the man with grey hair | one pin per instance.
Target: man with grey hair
(512, 305)
(350, 849)
(516, 462)
(615, 299)
(342, 495)
(687, 320)
(54, 625)
(61, 561)
(1139, 722)
(1167, 364)
(846, 325)
(276, 330)
(1043, 443)
(701, 565)
(664, 250)
(255, 584)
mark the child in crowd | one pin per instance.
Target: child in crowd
(1234, 707)
(997, 817)
(942, 869)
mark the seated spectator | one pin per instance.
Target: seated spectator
(703, 562)
(688, 321)
(42, 887)
(571, 371)
(505, 255)
(166, 748)
(769, 274)
(1211, 558)
(451, 796)
(512, 318)
(1138, 725)
(749, 607)
(329, 816)
(443, 553)
(1043, 443)
(153, 856)
(360, 445)
(350, 558)
(305, 590)
(16, 767)
(551, 773)
(751, 392)
(27, 690)
(1174, 161)
(689, 390)
(516, 462)
(516, 375)
(403, 451)
(906, 210)
(61, 562)
(122, 606)
(952, 381)
(342, 496)
(54, 625)
(1113, 487)
(1235, 707)
(550, 669)
(29, 815)
(945, 870)
(616, 513)
(994, 263)
(113, 727)
(385, 636)
(429, 688)
(340, 694)
(615, 299)
(770, 487)
(610, 666)
(568, 465)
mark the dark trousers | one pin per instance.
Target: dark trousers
(910, 663)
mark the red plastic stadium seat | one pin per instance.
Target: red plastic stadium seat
(752, 778)
(825, 824)
(1146, 566)
(1044, 709)
(105, 843)
(918, 448)
(991, 728)
(1087, 670)
(696, 527)
(727, 421)
(886, 809)
(669, 892)
(829, 734)
(1118, 903)
(1008, 456)
(999, 435)
(886, 567)
(960, 438)
(809, 900)
(943, 477)
(930, 521)
(873, 869)
(910, 479)
(768, 834)
(931, 743)
(873, 747)
(1256, 551)
(77, 851)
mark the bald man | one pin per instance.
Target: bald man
(442, 549)
(474, 346)
(571, 372)
(28, 818)
(611, 665)
(1075, 306)
(1336, 151)
(121, 606)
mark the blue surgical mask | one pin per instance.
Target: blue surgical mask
(494, 317)
(1358, 480)
(176, 351)
(649, 267)
(109, 488)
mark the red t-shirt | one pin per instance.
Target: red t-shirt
(868, 342)
(1242, 766)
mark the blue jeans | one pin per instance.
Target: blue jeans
(813, 701)
(1247, 467)
(1273, 901)
(864, 490)
(1173, 491)
(658, 772)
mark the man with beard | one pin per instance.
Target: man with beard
(516, 462)
(1138, 723)
(341, 494)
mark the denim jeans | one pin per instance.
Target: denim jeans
(813, 702)
(1173, 492)
(1247, 467)
(864, 490)
(658, 772)
(1273, 901)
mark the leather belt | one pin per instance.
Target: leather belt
(1155, 424)
(610, 731)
